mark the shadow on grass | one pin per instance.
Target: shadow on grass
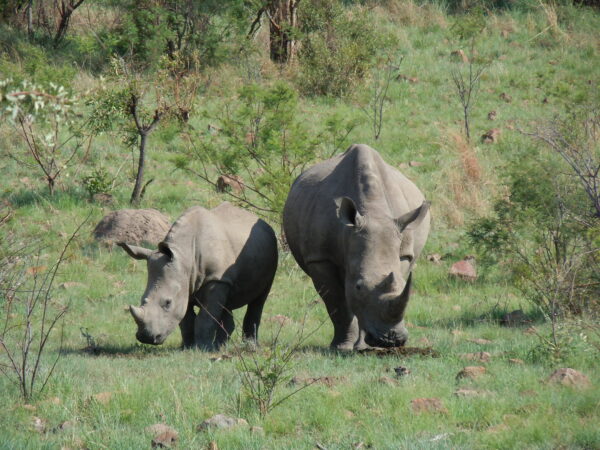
(135, 351)
(376, 351)
(28, 197)
(495, 316)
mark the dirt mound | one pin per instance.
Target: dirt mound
(133, 226)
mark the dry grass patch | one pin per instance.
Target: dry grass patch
(407, 12)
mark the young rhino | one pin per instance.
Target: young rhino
(219, 259)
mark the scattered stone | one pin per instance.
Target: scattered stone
(530, 330)
(257, 430)
(433, 405)
(516, 361)
(103, 397)
(471, 372)
(506, 97)
(514, 318)
(463, 270)
(280, 319)
(230, 183)
(460, 55)
(569, 377)
(483, 357)
(39, 425)
(212, 445)
(159, 428)
(133, 226)
(401, 371)
(36, 270)
(222, 357)
(480, 341)
(403, 166)
(491, 136)
(435, 258)
(502, 58)
(220, 421)
(415, 164)
(212, 129)
(54, 400)
(492, 115)
(388, 380)
(166, 439)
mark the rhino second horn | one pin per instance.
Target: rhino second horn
(137, 313)
(389, 281)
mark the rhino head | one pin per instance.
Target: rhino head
(379, 260)
(165, 299)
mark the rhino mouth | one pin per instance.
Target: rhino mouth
(391, 339)
(145, 338)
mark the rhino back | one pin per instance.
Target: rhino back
(227, 244)
(312, 228)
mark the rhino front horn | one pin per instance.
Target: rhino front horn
(137, 313)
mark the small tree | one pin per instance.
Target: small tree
(135, 108)
(467, 29)
(47, 120)
(29, 317)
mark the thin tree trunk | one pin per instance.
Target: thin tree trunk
(282, 22)
(30, 18)
(139, 179)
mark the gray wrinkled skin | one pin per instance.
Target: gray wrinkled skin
(218, 260)
(356, 225)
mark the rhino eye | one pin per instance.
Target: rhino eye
(167, 304)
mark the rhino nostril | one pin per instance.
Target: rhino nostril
(359, 285)
(157, 338)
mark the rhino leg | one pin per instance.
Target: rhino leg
(225, 328)
(331, 289)
(253, 315)
(187, 327)
(213, 298)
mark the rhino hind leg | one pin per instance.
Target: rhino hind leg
(331, 289)
(224, 329)
(254, 314)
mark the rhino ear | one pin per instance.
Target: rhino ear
(135, 251)
(163, 247)
(412, 219)
(347, 212)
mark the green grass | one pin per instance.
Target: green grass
(183, 388)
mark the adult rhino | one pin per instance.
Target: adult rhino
(356, 225)
(220, 260)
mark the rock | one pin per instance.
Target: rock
(403, 166)
(435, 258)
(166, 439)
(483, 357)
(402, 77)
(507, 98)
(463, 270)
(160, 428)
(514, 318)
(460, 55)
(133, 226)
(433, 405)
(65, 426)
(401, 371)
(70, 284)
(516, 361)
(480, 341)
(569, 377)
(230, 183)
(220, 421)
(212, 445)
(415, 164)
(491, 136)
(471, 372)
(39, 425)
(492, 115)
(388, 380)
(36, 270)
(257, 430)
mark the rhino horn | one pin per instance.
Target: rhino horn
(398, 305)
(137, 313)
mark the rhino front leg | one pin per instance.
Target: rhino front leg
(186, 326)
(331, 289)
(209, 327)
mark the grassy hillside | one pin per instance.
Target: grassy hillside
(539, 61)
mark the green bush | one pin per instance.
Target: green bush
(338, 47)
